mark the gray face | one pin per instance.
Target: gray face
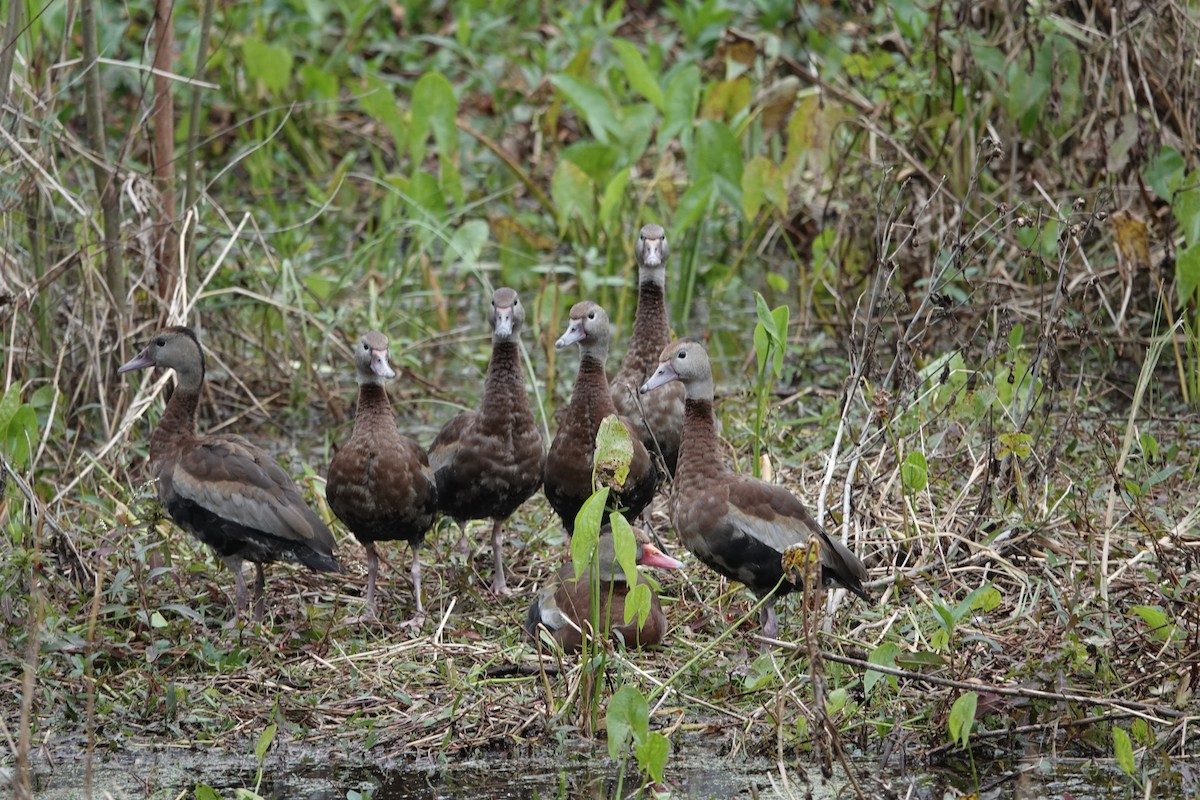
(588, 325)
(686, 362)
(651, 249)
(371, 358)
(506, 314)
(171, 348)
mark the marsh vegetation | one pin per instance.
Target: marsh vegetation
(945, 256)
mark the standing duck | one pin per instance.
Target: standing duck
(223, 490)
(488, 462)
(564, 607)
(568, 480)
(380, 483)
(736, 524)
(659, 416)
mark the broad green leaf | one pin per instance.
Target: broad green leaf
(682, 98)
(836, 701)
(19, 436)
(379, 101)
(962, 718)
(1123, 750)
(264, 742)
(1164, 170)
(1141, 732)
(1016, 336)
(9, 404)
(693, 206)
(914, 472)
(587, 530)
(921, 658)
(637, 603)
(614, 193)
(592, 105)
(468, 241)
(318, 83)
(1187, 273)
(268, 63)
(425, 195)
(885, 656)
(614, 450)
(574, 197)
(969, 602)
(780, 316)
(652, 756)
(625, 546)
(627, 717)
(762, 346)
(763, 311)
(157, 620)
(987, 600)
(639, 74)
(594, 158)
(1161, 627)
(717, 153)
(205, 792)
(1185, 205)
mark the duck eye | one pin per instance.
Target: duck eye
(682, 354)
(591, 315)
(161, 341)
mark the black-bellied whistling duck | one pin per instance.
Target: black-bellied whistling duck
(659, 416)
(736, 524)
(380, 483)
(564, 607)
(223, 490)
(489, 461)
(568, 481)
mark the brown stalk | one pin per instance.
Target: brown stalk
(163, 115)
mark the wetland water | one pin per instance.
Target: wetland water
(307, 774)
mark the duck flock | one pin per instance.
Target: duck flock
(486, 462)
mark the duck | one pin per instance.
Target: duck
(568, 480)
(488, 461)
(658, 416)
(380, 483)
(564, 606)
(736, 524)
(222, 489)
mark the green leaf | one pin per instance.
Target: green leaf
(763, 180)
(914, 472)
(468, 241)
(962, 718)
(614, 193)
(836, 701)
(1185, 205)
(762, 345)
(264, 742)
(1187, 273)
(1123, 750)
(1015, 336)
(1161, 627)
(627, 717)
(379, 101)
(625, 546)
(693, 206)
(205, 792)
(718, 157)
(1164, 171)
(681, 100)
(639, 74)
(637, 603)
(652, 756)
(780, 316)
(592, 105)
(574, 196)
(18, 428)
(587, 530)
(318, 83)
(986, 600)
(885, 656)
(268, 63)
(614, 450)
(970, 601)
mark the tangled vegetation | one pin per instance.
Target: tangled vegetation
(962, 238)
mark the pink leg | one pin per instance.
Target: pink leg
(770, 621)
(499, 585)
(239, 583)
(260, 582)
(416, 579)
(372, 572)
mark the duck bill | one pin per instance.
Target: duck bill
(652, 252)
(573, 335)
(653, 557)
(503, 327)
(379, 364)
(140, 361)
(664, 374)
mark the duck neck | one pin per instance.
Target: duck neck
(374, 409)
(504, 388)
(651, 331)
(590, 398)
(178, 423)
(700, 451)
